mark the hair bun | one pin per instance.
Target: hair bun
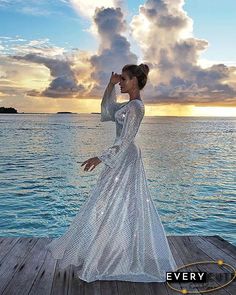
(144, 68)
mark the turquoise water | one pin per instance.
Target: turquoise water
(190, 165)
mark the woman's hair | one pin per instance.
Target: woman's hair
(139, 71)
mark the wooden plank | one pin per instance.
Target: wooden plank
(161, 288)
(209, 268)
(222, 244)
(109, 287)
(44, 279)
(93, 288)
(199, 255)
(4, 240)
(76, 285)
(125, 288)
(179, 261)
(60, 284)
(12, 261)
(206, 248)
(187, 258)
(6, 244)
(142, 288)
(211, 250)
(27, 270)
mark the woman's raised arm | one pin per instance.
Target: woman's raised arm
(109, 100)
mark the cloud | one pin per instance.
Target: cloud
(19, 76)
(52, 71)
(35, 11)
(35, 8)
(40, 47)
(164, 33)
(87, 8)
(162, 29)
(22, 46)
(114, 50)
(76, 74)
(109, 27)
(64, 83)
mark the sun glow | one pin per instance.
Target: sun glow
(214, 111)
(189, 111)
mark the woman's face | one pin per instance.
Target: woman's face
(126, 84)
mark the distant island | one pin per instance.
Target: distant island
(96, 113)
(65, 113)
(8, 110)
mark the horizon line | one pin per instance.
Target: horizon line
(71, 113)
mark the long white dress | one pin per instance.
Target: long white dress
(117, 233)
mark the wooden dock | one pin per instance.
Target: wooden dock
(26, 269)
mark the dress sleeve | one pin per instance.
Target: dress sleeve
(133, 118)
(108, 104)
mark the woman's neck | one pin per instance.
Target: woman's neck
(135, 94)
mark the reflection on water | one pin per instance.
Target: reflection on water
(189, 163)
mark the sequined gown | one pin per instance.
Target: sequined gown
(117, 233)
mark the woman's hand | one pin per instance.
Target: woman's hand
(115, 78)
(91, 162)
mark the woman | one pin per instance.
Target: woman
(118, 234)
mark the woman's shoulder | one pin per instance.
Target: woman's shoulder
(136, 106)
(133, 104)
(136, 103)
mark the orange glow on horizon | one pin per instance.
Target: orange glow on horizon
(93, 105)
(189, 111)
(88, 105)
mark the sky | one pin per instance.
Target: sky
(58, 55)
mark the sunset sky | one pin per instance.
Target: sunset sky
(58, 55)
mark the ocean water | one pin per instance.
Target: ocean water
(190, 164)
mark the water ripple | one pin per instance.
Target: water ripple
(190, 166)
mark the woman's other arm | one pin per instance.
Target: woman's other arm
(109, 99)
